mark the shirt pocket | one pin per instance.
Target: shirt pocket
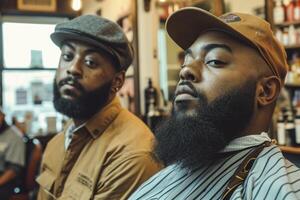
(79, 187)
(46, 181)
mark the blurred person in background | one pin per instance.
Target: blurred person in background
(104, 152)
(12, 157)
(27, 185)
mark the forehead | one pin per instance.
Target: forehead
(218, 37)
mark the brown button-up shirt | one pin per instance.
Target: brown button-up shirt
(108, 158)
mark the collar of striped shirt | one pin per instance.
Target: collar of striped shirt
(246, 142)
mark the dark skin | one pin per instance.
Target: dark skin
(90, 67)
(216, 63)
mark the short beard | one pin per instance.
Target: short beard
(85, 106)
(192, 140)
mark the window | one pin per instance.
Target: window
(27, 70)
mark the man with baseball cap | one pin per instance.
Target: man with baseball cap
(215, 145)
(104, 152)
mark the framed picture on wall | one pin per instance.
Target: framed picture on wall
(37, 5)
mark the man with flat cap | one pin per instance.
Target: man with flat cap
(104, 152)
(215, 145)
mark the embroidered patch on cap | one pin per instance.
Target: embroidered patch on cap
(230, 18)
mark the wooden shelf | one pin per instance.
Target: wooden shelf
(292, 150)
(292, 47)
(284, 24)
(292, 86)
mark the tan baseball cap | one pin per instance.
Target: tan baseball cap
(185, 25)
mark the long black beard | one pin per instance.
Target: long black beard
(85, 106)
(192, 140)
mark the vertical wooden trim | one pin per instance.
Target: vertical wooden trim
(219, 7)
(269, 12)
(136, 70)
(1, 61)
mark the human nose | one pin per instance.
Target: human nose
(191, 72)
(75, 68)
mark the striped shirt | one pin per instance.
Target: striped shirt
(271, 177)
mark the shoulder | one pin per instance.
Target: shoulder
(157, 182)
(130, 134)
(56, 142)
(129, 120)
(135, 163)
(272, 174)
(14, 135)
(267, 161)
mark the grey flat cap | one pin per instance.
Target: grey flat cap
(99, 32)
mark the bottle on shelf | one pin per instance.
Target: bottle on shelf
(278, 12)
(297, 125)
(153, 115)
(281, 136)
(279, 34)
(297, 11)
(150, 94)
(290, 129)
(292, 35)
(290, 11)
(298, 35)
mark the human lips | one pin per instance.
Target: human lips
(69, 88)
(185, 92)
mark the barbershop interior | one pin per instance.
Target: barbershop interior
(29, 61)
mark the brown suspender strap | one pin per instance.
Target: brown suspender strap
(242, 171)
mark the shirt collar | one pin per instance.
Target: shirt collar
(101, 120)
(246, 141)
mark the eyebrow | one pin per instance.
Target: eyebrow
(68, 45)
(210, 47)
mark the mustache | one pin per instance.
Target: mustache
(70, 81)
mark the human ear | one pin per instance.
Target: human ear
(268, 90)
(118, 81)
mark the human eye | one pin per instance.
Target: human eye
(67, 56)
(90, 63)
(215, 63)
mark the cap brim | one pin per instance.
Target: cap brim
(60, 36)
(185, 25)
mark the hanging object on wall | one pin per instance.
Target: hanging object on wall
(76, 5)
(37, 5)
(147, 5)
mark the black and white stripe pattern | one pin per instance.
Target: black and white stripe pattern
(271, 177)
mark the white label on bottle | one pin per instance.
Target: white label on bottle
(281, 137)
(297, 13)
(297, 122)
(278, 14)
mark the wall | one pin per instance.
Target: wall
(63, 8)
(112, 9)
(148, 62)
(245, 6)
